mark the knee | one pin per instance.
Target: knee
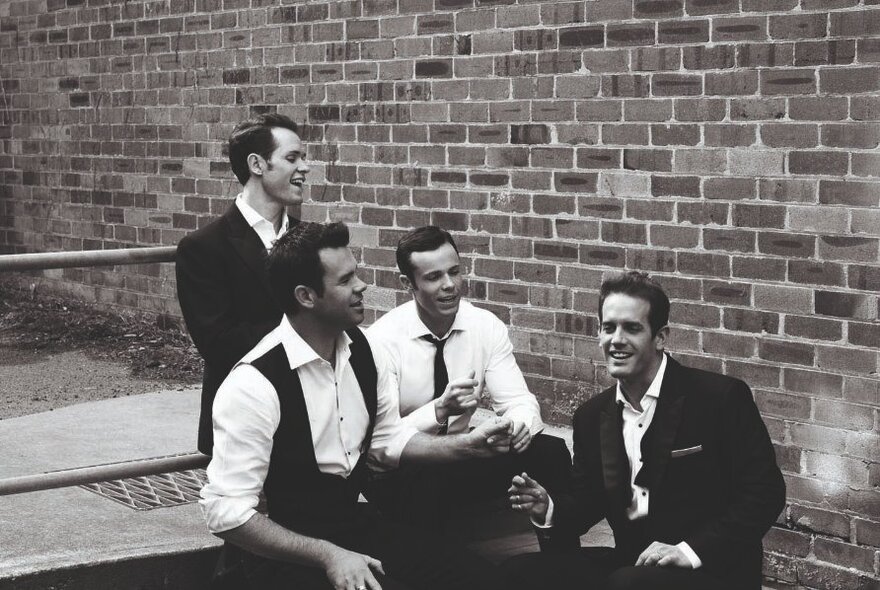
(522, 571)
(630, 578)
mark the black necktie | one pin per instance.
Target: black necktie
(441, 376)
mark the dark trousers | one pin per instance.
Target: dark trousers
(600, 568)
(411, 560)
(426, 495)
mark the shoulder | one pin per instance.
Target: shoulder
(591, 408)
(392, 322)
(206, 235)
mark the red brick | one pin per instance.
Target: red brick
(820, 521)
(699, 109)
(739, 29)
(655, 59)
(813, 328)
(859, 23)
(757, 109)
(786, 352)
(846, 359)
(662, 135)
(602, 255)
(785, 406)
(764, 216)
(861, 136)
(756, 55)
(691, 31)
(816, 272)
(818, 162)
(844, 555)
(814, 53)
(788, 542)
(790, 135)
(666, 186)
(657, 8)
(822, 108)
(867, 532)
(849, 80)
(854, 193)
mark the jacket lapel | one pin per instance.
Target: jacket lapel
(247, 245)
(658, 441)
(615, 464)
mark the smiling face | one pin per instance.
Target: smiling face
(283, 175)
(633, 354)
(342, 303)
(436, 286)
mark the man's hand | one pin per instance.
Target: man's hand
(348, 570)
(458, 398)
(521, 438)
(663, 555)
(491, 438)
(527, 495)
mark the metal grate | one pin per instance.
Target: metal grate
(153, 491)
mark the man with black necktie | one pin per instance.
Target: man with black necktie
(445, 354)
(677, 459)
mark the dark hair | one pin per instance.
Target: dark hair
(294, 260)
(421, 239)
(254, 136)
(638, 284)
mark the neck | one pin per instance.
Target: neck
(439, 325)
(317, 334)
(256, 198)
(635, 389)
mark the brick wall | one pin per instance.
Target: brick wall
(728, 146)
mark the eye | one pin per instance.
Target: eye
(454, 271)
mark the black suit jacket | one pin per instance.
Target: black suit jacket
(709, 466)
(226, 301)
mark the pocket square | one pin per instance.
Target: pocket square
(687, 451)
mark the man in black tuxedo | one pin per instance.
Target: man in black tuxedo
(222, 284)
(677, 459)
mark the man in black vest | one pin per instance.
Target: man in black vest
(221, 276)
(297, 418)
(677, 459)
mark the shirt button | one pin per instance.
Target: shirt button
(641, 460)
(341, 418)
(644, 493)
(348, 453)
(640, 425)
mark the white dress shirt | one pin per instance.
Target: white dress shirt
(247, 411)
(635, 425)
(264, 228)
(478, 342)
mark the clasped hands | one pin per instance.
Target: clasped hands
(461, 396)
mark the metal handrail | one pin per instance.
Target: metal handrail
(99, 473)
(45, 260)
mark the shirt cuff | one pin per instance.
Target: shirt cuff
(527, 417)
(226, 513)
(548, 518)
(696, 562)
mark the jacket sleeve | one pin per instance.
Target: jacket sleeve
(584, 506)
(757, 493)
(204, 290)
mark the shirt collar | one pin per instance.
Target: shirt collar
(299, 352)
(417, 327)
(264, 228)
(653, 389)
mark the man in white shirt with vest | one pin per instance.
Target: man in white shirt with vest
(445, 354)
(297, 417)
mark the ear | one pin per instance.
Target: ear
(305, 296)
(255, 164)
(407, 284)
(660, 338)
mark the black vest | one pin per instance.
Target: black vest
(298, 495)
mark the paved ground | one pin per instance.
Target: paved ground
(70, 527)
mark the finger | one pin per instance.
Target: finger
(370, 580)
(642, 557)
(375, 565)
(666, 560)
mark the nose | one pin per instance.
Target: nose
(302, 166)
(448, 283)
(360, 286)
(617, 337)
